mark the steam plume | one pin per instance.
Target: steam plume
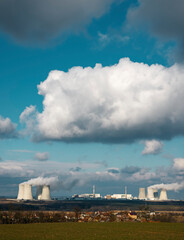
(170, 186)
(52, 181)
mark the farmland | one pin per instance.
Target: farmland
(79, 231)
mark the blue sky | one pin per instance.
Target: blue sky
(87, 121)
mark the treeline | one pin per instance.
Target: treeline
(33, 217)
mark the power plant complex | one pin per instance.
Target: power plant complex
(152, 195)
(25, 192)
(43, 193)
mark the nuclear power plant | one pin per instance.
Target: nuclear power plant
(43, 193)
(25, 192)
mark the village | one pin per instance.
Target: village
(15, 217)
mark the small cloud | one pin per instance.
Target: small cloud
(178, 163)
(77, 169)
(106, 39)
(26, 113)
(152, 147)
(130, 170)
(28, 117)
(21, 151)
(113, 170)
(7, 128)
(42, 156)
(102, 163)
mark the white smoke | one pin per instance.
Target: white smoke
(170, 187)
(52, 181)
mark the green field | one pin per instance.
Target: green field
(79, 231)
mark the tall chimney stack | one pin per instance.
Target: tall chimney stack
(126, 192)
(93, 191)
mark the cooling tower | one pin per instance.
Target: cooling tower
(155, 194)
(46, 193)
(150, 194)
(142, 194)
(163, 194)
(39, 192)
(27, 192)
(21, 192)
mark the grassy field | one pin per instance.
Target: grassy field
(79, 231)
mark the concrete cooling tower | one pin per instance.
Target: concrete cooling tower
(21, 192)
(39, 192)
(46, 193)
(163, 194)
(150, 193)
(142, 194)
(155, 194)
(27, 192)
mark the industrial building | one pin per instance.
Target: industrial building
(87, 195)
(119, 196)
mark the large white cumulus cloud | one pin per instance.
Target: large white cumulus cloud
(120, 103)
(33, 20)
